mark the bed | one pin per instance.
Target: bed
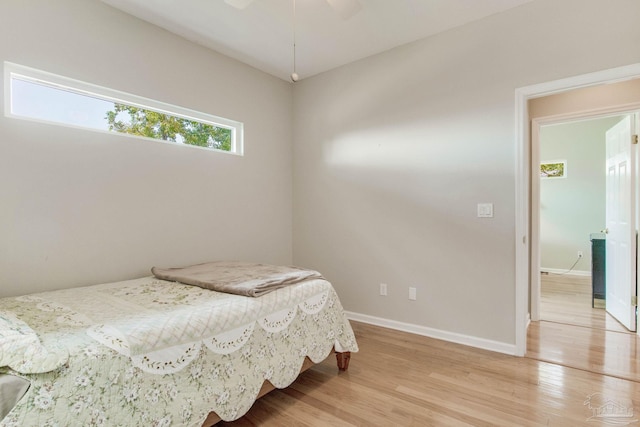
(157, 352)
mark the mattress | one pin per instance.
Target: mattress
(152, 352)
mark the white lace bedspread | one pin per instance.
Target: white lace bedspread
(151, 352)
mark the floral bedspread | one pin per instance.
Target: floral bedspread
(152, 352)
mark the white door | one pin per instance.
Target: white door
(621, 232)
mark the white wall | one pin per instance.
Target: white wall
(79, 207)
(571, 208)
(393, 153)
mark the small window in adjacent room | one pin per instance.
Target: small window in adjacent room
(37, 95)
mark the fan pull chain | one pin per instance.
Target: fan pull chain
(294, 75)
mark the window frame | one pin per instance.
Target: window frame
(28, 74)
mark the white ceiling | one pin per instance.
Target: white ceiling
(261, 35)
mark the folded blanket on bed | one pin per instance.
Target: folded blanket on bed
(240, 278)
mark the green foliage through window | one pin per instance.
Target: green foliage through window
(152, 124)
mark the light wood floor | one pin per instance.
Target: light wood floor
(567, 299)
(571, 333)
(401, 379)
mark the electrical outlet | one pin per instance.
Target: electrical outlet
(383, 289)
(580, 254)
(412, 294)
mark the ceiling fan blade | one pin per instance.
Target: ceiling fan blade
(238, 4)
(345, 8)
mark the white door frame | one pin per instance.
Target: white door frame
(524, 238)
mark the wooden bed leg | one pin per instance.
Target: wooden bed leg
(343, 360)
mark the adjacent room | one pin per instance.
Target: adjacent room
(390, 150)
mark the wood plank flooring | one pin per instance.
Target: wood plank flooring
(571, 333)
(567, 299)
(401, 379)
(596, 350)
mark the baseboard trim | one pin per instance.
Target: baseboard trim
(563, 272)
(482, 343)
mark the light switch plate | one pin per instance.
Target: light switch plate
(485, 210)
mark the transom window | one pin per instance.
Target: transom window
(40, 96)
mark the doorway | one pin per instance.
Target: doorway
(567, 339)
(600, 98)
(572, 214)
